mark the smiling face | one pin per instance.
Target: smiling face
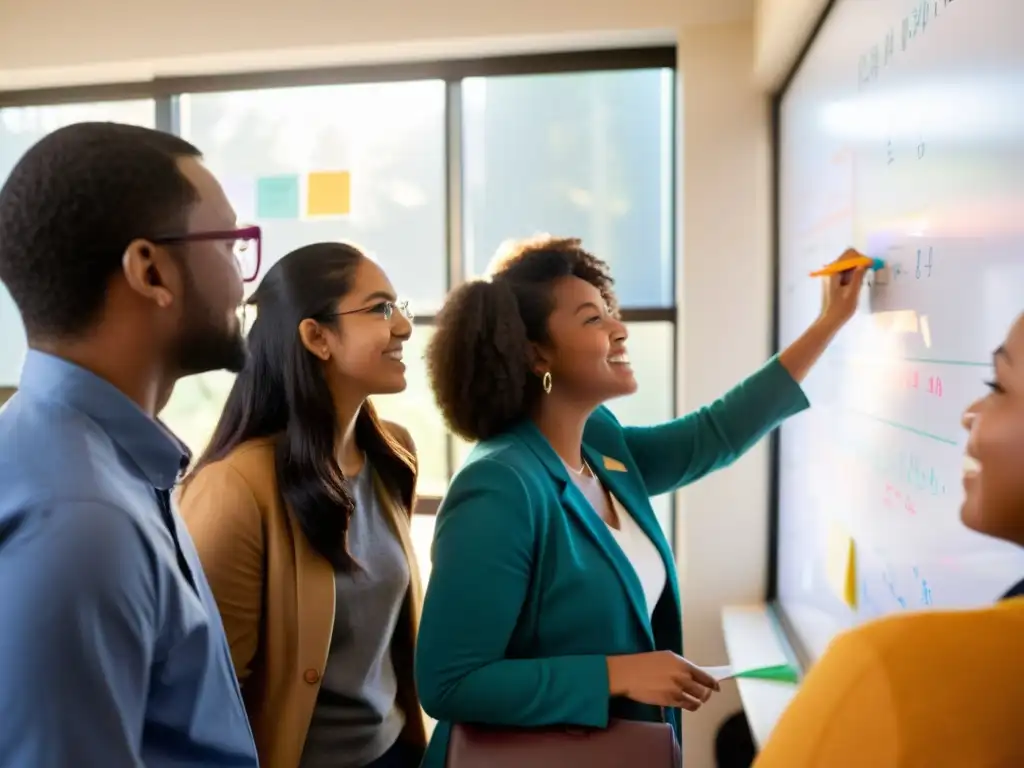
(586, 354)
(362, 349)
(994, 461)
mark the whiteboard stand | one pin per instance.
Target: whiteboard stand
(752, 639)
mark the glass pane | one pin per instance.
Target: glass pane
(652, 354)
(282, 155)
(585, 154)
(461, 451)
(20, 128)
(415, 410)
(422, 538)
(194, 408)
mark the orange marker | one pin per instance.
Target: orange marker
(845, 265)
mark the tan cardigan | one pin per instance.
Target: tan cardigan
(276, 597)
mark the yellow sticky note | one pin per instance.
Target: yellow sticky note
(328, 193)
(841, 563)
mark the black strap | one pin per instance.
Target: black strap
(164, 500)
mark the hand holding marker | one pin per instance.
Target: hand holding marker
(845, 264)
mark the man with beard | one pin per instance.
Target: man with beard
(119, 249)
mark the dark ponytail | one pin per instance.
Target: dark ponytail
(478, 360)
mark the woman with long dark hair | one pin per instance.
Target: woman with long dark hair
(299, 509)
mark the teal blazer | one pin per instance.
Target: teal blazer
(529, 592)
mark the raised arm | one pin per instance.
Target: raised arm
(79, 609)
(681, 451)
(224, 521)
(483, 555)
(676, 453)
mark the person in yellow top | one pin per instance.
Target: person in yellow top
(938, 688)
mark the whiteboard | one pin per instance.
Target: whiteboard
(902, 134)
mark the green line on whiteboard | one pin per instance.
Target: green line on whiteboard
(964, 363)
(920, 360)
(907, 428)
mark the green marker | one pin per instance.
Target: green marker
(783, 673)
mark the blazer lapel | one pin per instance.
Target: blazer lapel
(615, 476)
(576, 503)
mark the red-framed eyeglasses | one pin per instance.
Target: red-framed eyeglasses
(247, 256)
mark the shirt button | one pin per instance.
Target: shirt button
(311, 676)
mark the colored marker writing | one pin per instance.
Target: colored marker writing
(894, 497)
(918, 587)
(911, 379)
(898, 467)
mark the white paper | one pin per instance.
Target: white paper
(720, 673)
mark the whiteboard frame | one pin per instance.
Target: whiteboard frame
(791, 643)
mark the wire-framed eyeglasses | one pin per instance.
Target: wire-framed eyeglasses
(385, 308)
(247, 245)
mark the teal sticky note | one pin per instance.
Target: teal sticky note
(277, 197)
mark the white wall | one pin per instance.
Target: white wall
(110, 40)
(724, 229)
(725, 332)
(781, 26)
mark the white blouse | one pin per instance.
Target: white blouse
(642, 555)
(634, 543)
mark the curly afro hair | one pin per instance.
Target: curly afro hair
(480, 358)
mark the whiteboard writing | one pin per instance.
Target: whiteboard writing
(911, 25)
(914, 156)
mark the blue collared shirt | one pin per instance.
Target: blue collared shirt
(112, 651)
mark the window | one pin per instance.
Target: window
(267, 146)
(422, 537)
(194, 408)
(20, 128)
(652, 354)
(416, 410)
(588, 154)
(364, 163)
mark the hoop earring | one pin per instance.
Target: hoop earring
(546, 383)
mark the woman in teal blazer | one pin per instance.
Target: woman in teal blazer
(553, 596)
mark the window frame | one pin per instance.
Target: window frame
(165, 93)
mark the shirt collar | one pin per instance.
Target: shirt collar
(1017, 590)
(159, 455)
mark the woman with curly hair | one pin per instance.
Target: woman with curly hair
(553, 598)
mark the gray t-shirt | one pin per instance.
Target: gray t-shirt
(356, 719)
